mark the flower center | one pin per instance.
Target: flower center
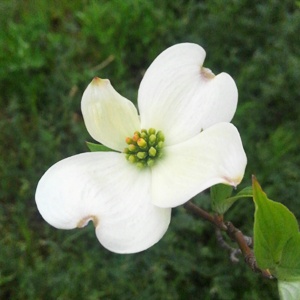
(144, 147)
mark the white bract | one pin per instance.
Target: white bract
(187, 146)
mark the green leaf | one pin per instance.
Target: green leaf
(274, 225)
(289, 267)
(289, 290)
(97, 147)
(221, 201)
(218, 194)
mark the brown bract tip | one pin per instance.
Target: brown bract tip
(83, 222)
(99, 81)
(207, 73)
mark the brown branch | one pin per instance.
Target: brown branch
(237, 236)
(244, 242)
(233, 252)
(199, 212)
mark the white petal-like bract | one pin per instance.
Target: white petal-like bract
(216, 155)
(109, 117)
(180, 97)
(105, 188)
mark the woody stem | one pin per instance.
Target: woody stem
(232, 232)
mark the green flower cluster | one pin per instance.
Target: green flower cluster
(144, 147)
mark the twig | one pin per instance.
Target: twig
(244, 242)
(195, 210)
(237, 236)
(233, 252)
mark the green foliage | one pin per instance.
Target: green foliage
(97, 147)
(276, 236)
(221, 199)
(50, 51)
(289, 267)
(219, 193)
(277, 243)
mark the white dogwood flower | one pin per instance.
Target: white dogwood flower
(179, 144)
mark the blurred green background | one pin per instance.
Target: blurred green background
(50, 51)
